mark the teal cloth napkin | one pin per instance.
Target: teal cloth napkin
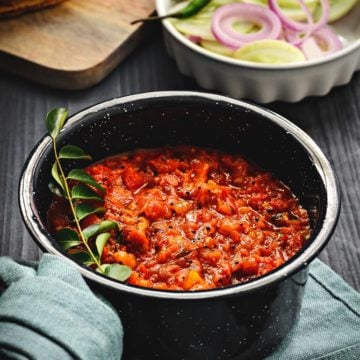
(79, 325)
(329, 323)
(48, 312)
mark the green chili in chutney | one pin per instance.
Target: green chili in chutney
(191, 9)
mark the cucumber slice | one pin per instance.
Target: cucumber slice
(199, 24)
(216, 47)
(195, 28)
(269, 52)
(245, 27)
(338, 9)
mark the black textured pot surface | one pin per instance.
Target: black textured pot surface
(244, 321)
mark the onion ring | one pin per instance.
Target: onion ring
(294, 38)
(312, 49)
(225, 16)
(299, 26)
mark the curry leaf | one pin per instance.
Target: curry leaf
(102, 268)
(84, 210)
(67, 238)
(73, 152)
(118, 272)
(82, 257)
(67, 234)
(55, 120)
(55, 174)
(83, 192)
(84, 177)
(120, 237)
(101, 241)
(99, 228)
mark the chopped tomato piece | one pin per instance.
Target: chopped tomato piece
(191, 218)
(192, 279)
(134, 236)
(125, 258)
(133, 179)
(249, 267)
(155, 210)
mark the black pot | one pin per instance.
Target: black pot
(245, 321)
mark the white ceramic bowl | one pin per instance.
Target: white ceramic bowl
(261, 82)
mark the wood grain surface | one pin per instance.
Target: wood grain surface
(73, 45)
(11, 8)
(333, 121)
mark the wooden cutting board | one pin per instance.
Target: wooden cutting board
(73, 45)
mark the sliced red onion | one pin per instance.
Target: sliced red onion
(295, 38)
(332, 40)
(225, 16)
(312, 49)
(297, 25)
(195, 39)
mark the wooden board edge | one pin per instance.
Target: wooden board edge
(71, 80)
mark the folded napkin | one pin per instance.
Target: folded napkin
(329, 323)
(48, 312)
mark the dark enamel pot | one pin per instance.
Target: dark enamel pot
(245, 321)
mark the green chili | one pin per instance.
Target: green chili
(189, 10)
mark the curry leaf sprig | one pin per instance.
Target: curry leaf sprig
(77, 196)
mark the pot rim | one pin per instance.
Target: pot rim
(42, 237)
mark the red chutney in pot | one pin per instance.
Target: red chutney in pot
(193, 218)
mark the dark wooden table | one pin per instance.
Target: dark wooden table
(333, 121)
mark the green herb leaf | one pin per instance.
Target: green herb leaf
(55, 190)
(73, 152)
(55, 174)
(120, 237)
(118, 272)
(84, 210)
(101, 241)
(83, 192)
(67, 238)
(101, 269)
(55, 121)
(84, 177)
(99, 228)
(82, 257)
